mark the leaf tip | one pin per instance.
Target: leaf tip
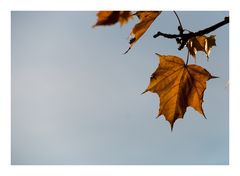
(159, 55)
(171, 125)
(204, 115)
(144, 91)
(93, 26)
(159, 114)
(213, 77)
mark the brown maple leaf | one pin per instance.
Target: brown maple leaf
(178, 86)
(201, 43)
(146, 19)
(112, 17)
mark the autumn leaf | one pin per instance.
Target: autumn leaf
(146, 19)
(124, 16)
(201, 43)
(112, 17)
(178, 86)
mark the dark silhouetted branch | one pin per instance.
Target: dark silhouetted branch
(183, 38)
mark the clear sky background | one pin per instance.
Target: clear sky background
(76, 99)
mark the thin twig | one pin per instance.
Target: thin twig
(187, 58)
(180, 28)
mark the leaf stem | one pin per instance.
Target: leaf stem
(187, 58)
(180, 28)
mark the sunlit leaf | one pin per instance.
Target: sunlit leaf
(112, 17)
(146, 19)
(201, 43)
(178, 86)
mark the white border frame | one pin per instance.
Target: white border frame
(76, 5)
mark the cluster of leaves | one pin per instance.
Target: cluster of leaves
(111, 17)
(177, 83)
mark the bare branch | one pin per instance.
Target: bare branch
(183, 38)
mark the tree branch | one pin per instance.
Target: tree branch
(183, 38)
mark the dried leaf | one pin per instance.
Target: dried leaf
(146, 19)
(201, 43)
(178, 86)
(112, 17)
(124, 16)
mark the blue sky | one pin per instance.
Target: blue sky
(76, 99)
